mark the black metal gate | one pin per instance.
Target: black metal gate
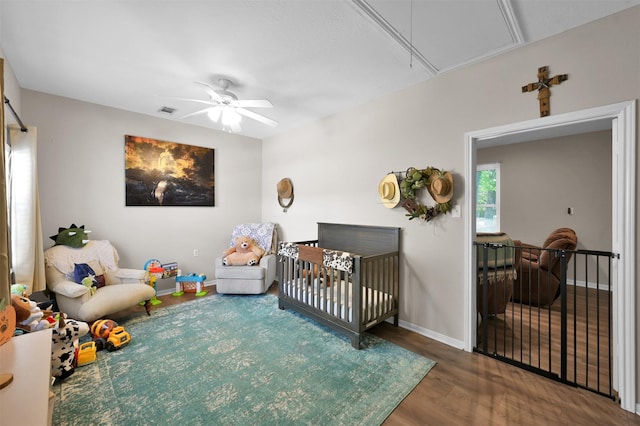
(563, 333)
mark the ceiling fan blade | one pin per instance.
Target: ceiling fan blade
(200, 111)
(257, 117)
(212, 93)
(256, 103)
(200, 101)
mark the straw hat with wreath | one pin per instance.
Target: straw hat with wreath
(440, 186)
(438, 183)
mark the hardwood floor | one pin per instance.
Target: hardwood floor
(472, 389)
(532, 335)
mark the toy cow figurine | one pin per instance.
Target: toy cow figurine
(65, 333)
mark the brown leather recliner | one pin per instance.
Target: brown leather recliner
(538, 281)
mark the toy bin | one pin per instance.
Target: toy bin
(192, 283)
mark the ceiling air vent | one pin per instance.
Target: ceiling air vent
(167, 110)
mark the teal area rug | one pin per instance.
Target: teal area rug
(237, 360)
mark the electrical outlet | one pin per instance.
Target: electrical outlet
(196, 252)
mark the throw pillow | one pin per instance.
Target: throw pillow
(83, 270)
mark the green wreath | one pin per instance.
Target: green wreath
(418, 179)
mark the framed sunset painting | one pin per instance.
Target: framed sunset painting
(161, 173)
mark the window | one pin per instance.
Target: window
(488, 198)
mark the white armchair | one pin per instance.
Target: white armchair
(123, 288)
(250, 279)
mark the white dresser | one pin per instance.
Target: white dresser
(25, 402)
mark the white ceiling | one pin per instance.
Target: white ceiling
(310, 58)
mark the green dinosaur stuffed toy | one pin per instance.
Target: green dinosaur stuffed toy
(73, 236)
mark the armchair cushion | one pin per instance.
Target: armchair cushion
(114, 298)
(70, 289)
(124, 276)
(243, 272)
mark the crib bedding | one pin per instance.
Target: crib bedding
(339, 295)
(347, 279)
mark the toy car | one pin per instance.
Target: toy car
(102, 328)
(86, 353)
(117, 339)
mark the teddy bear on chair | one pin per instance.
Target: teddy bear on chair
(245, 251)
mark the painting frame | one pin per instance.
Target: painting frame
(163, 173)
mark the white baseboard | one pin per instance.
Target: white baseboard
(458, 344)
(590, 285)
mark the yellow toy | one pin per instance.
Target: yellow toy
(102, 328)
(118, 338)
(86, 353)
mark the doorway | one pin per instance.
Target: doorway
(620, 118)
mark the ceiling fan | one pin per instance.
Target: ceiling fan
(224, 107)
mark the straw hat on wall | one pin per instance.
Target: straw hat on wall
(440, 186)
(389, 191)
(285, 191)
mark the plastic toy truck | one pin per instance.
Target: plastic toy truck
(118, 338)
(86, 353)
(107, 334)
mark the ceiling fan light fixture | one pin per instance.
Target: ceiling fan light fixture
(214, 113)
(223, 107)
(230, 117)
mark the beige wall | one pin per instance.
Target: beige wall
(541, 179)
(340, 160)
(81, 175)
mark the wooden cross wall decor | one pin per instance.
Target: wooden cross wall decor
(543, 85)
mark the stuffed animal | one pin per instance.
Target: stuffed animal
(29, 316)
(73, 236)
(65, 333)
(90, 283)
(245, 251)
(19, 289)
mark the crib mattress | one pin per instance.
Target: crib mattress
(340, 296)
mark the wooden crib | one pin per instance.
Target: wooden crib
(347, 279)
